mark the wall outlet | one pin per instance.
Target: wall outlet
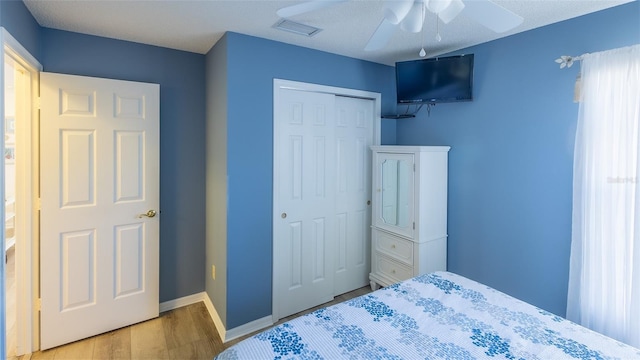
(213, 272)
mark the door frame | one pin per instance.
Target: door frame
(278, 86)
(27, 254)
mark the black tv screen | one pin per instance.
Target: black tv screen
(436, 80)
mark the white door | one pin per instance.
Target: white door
(304, 186)
(354, 135)
(322, 185)
(99, 196)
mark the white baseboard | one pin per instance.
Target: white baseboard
(225, 335)
(215, 317)
(237, 332)
(183, 301)
(248, 328)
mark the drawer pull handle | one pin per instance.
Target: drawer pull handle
(393, 271)
(393, 246)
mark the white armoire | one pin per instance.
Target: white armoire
(409, 212)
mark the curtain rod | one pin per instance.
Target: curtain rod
(567, 61)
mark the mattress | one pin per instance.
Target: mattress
(434, 316)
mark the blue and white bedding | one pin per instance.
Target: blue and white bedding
(435, 316)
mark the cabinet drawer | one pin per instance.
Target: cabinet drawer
(393, 246)
(392, 269)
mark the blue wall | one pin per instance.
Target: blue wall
(216, 174)
(250, 152)
(16, 18)
(182, 141)
(510, 165)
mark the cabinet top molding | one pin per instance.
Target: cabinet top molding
(411, 148)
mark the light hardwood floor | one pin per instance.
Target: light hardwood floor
(184, 333)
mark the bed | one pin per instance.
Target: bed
(434, 316)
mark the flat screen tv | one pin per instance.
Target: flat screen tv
(436, 80)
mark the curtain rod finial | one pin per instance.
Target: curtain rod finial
(567, 61)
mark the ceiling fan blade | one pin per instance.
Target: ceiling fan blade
(381, 36)
(414, 20)
(306, 7)
(396, 10)
(492, 15)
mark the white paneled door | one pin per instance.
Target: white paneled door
(354, 136)
(322, 172)
(305, 187)
(99, 247)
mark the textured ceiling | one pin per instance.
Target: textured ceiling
(196, 26)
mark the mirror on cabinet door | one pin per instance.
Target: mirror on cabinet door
(409, 212)
(396, 189)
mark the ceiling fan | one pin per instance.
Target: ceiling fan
(409, 15)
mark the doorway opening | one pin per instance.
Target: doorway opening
(19, 189)
(15, 75)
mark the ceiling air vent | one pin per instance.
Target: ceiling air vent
(296, 28)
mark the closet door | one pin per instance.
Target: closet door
(322, 193)
(354, 135)
(304, 200)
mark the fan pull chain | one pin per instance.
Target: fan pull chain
(423, 53)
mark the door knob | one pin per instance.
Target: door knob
(150, 214)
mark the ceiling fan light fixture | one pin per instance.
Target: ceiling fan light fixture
(296, 28)
(454, 8)
(413, 21)
(436, 6)
(396, 10)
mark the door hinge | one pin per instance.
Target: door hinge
(414, 167)
(38, 304)
(38, 102)
(38, 204)
(414, 225)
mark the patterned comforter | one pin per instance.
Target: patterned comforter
(435, 316)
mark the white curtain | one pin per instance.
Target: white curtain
(604, 277)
